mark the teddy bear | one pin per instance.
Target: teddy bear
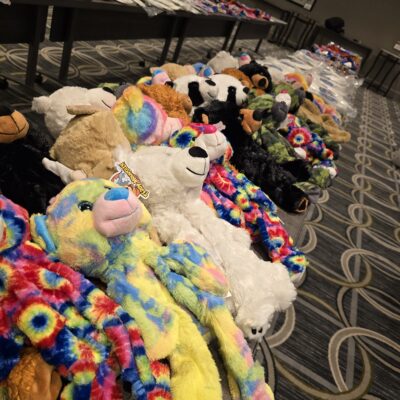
(237, 200)
(223, 60)
(110, 227)
(175, 104)
(200, 90)
(23, 178)
(87, 144)
(142, 119)
(230, 89)
(78, 330)
(310, 112)
(54, 107)
(278, 181)
(259, 75)
(176, 71)
(174, 178)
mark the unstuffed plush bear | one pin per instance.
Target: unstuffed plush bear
(54, 107)
(87, 144)
(23, 178)
(230, 89)
(237, 200)
(142, 119)
(278, 181)
(175, 104)
(259, 75)
(223, 60)
(102, 229)
(77, 329)
(200, 90)
(174, 178)
(176, 71)
(311, 112)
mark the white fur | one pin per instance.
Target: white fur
(223, 60)
(67, 175)
(258, 288)
(55, 106)
(208, 92)
(224, 82)
(215, 144)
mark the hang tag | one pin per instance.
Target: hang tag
(125, 177)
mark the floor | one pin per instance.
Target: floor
(341, 338)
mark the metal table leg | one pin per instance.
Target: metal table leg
(394, 62)
(181, 39)
(232, 46)
(40, 26)
(168, 41)
(67, 47)
(373, 65)
(228, 36)
(391, 83)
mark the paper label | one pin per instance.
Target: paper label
(125, 177)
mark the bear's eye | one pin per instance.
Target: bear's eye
(85, 205)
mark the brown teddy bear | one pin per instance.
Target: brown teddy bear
(89, 142)
(244, 80)
(175, 104)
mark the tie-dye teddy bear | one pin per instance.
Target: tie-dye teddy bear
(104, 231)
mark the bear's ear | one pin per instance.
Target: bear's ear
(83, 109)
(40, 233)
(41, 104)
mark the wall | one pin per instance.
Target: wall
(375, 23)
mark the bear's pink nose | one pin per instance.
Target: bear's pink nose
(117, 212)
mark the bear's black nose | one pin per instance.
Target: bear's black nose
(198, 152)
(262, 82)
(246, 90)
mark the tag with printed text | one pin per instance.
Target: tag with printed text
(125, 177)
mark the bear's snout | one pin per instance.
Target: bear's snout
(116, 212)
(198, 152)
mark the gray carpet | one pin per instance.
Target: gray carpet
(340, 340)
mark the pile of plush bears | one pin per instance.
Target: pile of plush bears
(146, 226)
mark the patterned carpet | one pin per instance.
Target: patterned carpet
(341, 338)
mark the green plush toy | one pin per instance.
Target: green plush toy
(105, 231)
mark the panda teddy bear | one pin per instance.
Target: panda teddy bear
(220, 87)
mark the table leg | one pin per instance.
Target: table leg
(168, 41)
(231, 47)
(181, 39)
(394, 62)
(67, 47)
(259, 44)
(40, 26)
(377, 74)
(228, 36)
(391, 83)
(373, 65)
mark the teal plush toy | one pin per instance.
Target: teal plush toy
(104, 231)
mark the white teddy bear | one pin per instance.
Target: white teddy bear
(174, 178)
(55, 106)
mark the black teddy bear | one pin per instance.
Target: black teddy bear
(23, 178)
(248, 157)
(259, 76)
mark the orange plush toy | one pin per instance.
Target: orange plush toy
(13, 125)
(175, 104)
(33, 379)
